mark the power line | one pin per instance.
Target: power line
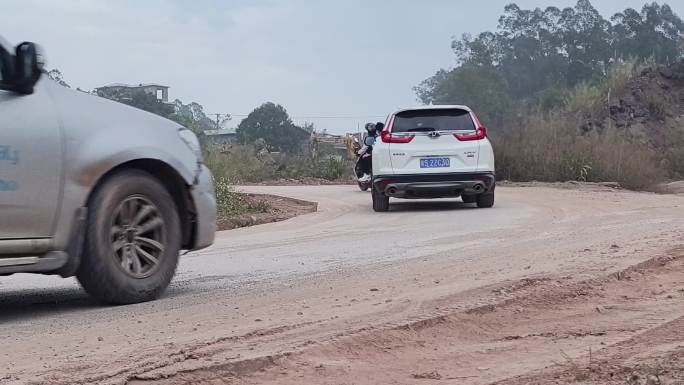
(339, 117)
(317, 116)
(218, 119)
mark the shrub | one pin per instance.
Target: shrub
(243, 164)
(229, 203)
(239, 164)
(553, 98)
(657, 106)
(333, 168)
(584, 98)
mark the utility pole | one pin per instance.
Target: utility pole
(218, 119)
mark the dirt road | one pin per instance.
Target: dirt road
(551, 285)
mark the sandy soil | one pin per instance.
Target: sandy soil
(623, 328)
(553, 285)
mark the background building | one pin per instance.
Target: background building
(120, 91)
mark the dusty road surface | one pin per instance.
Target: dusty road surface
(553, 285)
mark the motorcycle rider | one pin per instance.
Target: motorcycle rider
(365, 152)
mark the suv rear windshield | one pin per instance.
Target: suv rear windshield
(433, 120)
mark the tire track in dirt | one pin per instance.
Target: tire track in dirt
(484, 341)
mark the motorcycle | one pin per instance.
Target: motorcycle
(362, 162)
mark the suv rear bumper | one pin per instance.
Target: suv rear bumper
(434, 185)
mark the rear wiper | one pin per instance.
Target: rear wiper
(421, 129)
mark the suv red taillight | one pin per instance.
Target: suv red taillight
(388, 137)
(478, 134)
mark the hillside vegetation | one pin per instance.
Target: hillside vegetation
(628, 128)
(569, 95)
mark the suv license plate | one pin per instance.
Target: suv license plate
(434, 162)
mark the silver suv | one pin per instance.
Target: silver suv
(94, 188)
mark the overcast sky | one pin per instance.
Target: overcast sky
(352, 58)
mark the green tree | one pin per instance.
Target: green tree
(531, 58)
(536, 54)
(149, 103)
(586, 40)
(192, 116)
(480, 87)
(655, 32)
(272, 124)
(309, 127)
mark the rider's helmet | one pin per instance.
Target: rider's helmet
(371, 129)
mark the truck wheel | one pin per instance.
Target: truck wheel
(132, 239)
(469, 198)
(485, 200)
(380, 201)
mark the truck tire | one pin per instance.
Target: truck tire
(485, 200)
(380, 201)
(132, 240)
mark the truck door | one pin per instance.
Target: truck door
(30, 164)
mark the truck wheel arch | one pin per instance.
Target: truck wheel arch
(174, 183)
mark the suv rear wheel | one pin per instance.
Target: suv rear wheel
(132, 240)
(485, 200)
(380, 201)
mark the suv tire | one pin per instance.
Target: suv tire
(380, 201)
(469, 198)
(485, 200)
(132, 222)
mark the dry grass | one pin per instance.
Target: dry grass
(619, 76)
(577, 141)
(552, 148)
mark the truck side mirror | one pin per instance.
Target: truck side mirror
(6, 68)
(28, 67)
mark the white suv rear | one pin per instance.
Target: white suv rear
(433, 152)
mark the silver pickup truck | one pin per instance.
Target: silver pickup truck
(94, 188)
